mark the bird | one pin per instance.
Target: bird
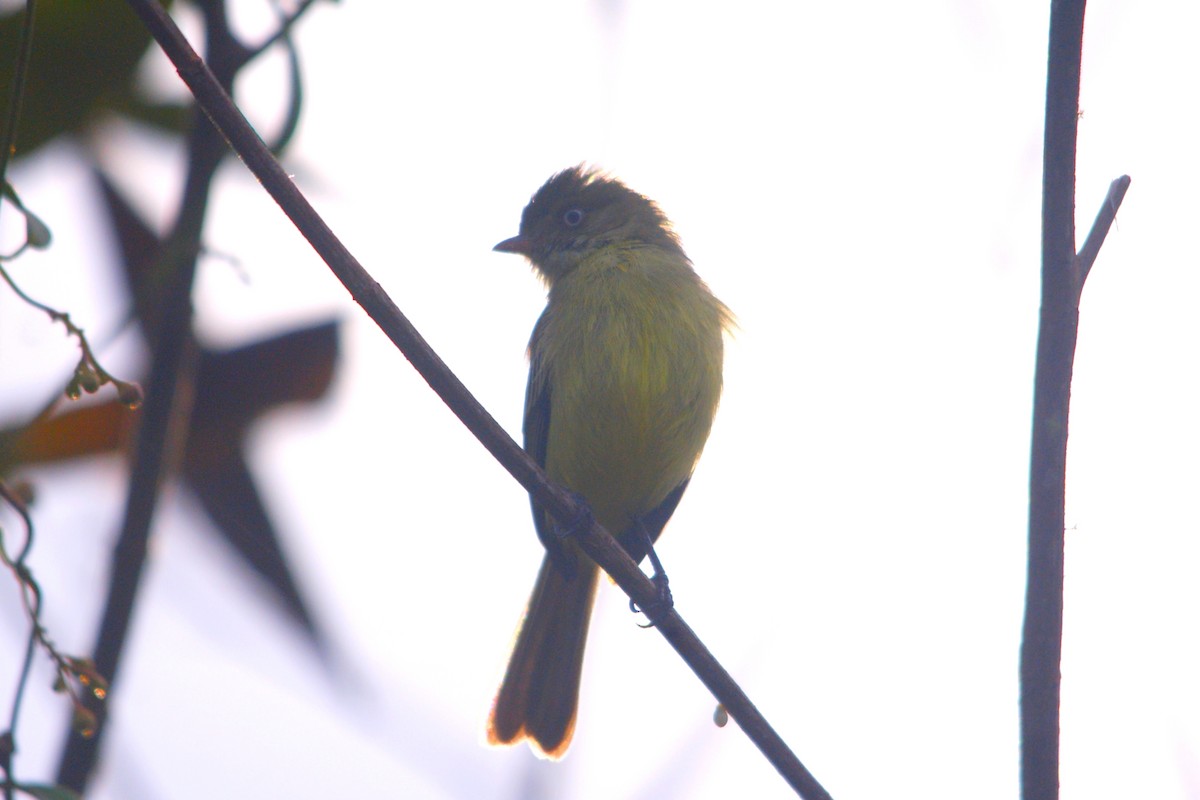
(625, 375)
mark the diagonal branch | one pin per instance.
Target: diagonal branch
(596, 542)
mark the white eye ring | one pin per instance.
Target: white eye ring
(573, 217)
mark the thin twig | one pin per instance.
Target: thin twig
(89, 374)
(597, 543)
(76, 677)
(286, 23)
(1104, 220)
(30, 598)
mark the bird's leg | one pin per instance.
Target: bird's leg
(664, 602)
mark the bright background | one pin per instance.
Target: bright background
(861, 184)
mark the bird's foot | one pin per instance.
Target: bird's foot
(663, 602)
(581, 522)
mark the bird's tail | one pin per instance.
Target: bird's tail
(538, 698)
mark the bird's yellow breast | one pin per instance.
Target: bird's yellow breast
(630, 347)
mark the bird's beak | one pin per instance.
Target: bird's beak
(517, 244)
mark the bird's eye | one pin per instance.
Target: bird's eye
(573, 217)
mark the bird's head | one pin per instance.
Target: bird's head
(579, 211)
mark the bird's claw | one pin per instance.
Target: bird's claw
(581, 522)
(662, 603)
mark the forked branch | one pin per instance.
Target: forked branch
(1063, 274)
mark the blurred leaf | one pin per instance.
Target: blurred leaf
(232, 501)
(140, 248)
(173, 118)
(43, 792)
(85, 55)
(234, 388)
(80, 432)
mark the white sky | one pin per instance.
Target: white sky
(861, 184)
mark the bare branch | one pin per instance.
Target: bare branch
(1063, 274)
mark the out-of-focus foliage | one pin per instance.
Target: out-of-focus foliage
(84, 60)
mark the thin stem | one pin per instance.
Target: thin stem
(55, 314)
(286, 23)
(130, 393)
(32, 606)
(70, 670)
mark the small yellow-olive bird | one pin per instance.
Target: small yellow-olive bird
(624, 380)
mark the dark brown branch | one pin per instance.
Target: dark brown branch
(597, 543)
(168, 403)
(1063, 275)
(167, 407)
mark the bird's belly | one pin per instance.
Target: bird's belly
(627, 431)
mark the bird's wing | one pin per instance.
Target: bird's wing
(537, 433)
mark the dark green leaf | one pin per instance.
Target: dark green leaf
(85, 54)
